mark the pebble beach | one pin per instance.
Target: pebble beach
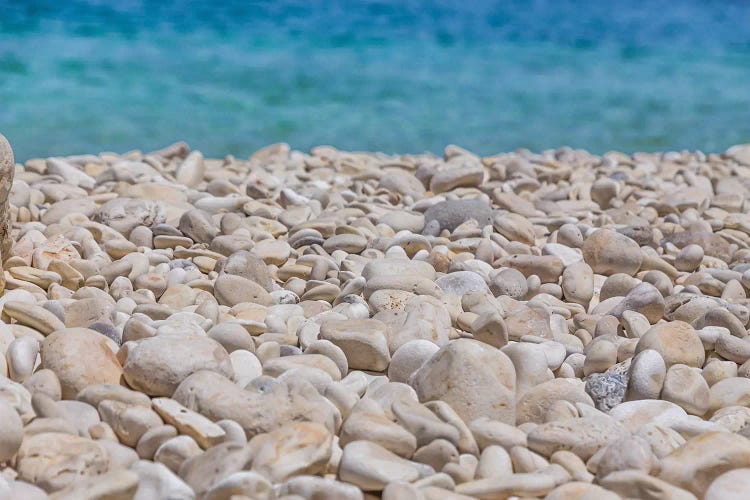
(342, 325)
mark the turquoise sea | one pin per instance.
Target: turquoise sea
(390, 75)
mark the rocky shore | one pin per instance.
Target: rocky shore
(336, 325)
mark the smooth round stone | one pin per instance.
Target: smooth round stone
(638, 484)
(367, 421)
(530, 363)
(11, 433)
(570, 236)
(198, 226)
(578, 283)
(617, 285)
(21, 357)
(246, 483)
(600, 356)
(46, 382)
(350, 243)
(510, 282)
(732, 485)
(332, 351)
(722, 318)
(231, 290)
(473, 378)
(364, 342)
(717, 370)
(635, 414)
(629, 453)
(53, 460)
(436, 454)
(175, 451)
(402, 182)
(660, 280)
(702, 459)
(490, 328)
(157, 365)
(277, 366)
(372, 467)
(155, 282)
(734, 391)
(609, 252)
(604, 191)
(141, 236)
(247, 265)
(403, 221)
(515, 228)
(535, 402)
(494, 461)
(645, 299)
(647, 374)
(452, 213)
(462, 282)
(232, 336)
(63, 351)
(128, 422)
(152, 439)
(547, 267)
(676, 341)
(685, 387)
(583, 436)
(488, 433)
(273, 252)
(408, 358)
(733, 348)
(689, 258)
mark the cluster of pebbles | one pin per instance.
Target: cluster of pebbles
(341, 325)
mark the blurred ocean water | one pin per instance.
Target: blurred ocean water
(389, 75)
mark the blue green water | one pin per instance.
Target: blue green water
(399, 75)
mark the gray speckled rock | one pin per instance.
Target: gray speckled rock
(606, 389)
(452, 213)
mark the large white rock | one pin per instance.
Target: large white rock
(157, 365)
(80, 357)
(475, 379)
(264, 405)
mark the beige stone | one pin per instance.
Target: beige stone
(732, 485)
(676, 341)
(205, 432)
(80, 358)
(609, 252)
(264, 405)
(115, 484)
(523, 485)
(583, 436)
(702, 459)
(685, 387)
(474, 378)
(157, 365)
(54, 461)
(371, 467)
(364, 342)
(638, 484)
(295, 448)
